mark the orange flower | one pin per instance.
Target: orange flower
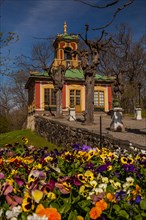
(51, 213)
(137, 190)
(101, 204)
(95, 212)
(1, 161)
(111, 197)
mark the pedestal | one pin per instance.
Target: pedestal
(138, 114)
(72, 114)
(116, 123)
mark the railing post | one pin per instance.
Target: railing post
(100, 131)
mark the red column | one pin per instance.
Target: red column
(37, 95)
(109, 97)
(64, 96)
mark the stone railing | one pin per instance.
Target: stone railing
(63, 134)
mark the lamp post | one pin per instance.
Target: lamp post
(139, 88)
(138, 109)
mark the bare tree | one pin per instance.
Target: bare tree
(5, 41)
(6, 103)
(125, 60)
(57, 75)
(118, 6)
(91, 59)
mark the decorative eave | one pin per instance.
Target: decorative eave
(36, 78)
(71, 75)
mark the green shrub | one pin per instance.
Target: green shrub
(4, 124)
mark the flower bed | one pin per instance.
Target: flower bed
(75, 184)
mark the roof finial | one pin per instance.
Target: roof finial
(65, 28)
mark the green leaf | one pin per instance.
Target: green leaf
(138, 217)
(65, 208)
(54, 205)
(23, 216)
(87, 217)
(73, 215)
(116, 207)
(85, 204)
(143, 214)
(76, 199)
(143, 204)
(110, 189)
(124, 214)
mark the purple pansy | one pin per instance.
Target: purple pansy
(138, 199)
(129, 168)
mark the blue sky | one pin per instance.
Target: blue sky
(45, 18)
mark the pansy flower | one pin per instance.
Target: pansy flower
(25, 140)
(95, 212)
(37, 195)
(51, 213)
(64, 187)
(111, 197)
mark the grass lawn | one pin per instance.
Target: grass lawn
(16, 136)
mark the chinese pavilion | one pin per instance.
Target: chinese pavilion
(41, 95)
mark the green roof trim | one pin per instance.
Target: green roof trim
(67, 36)
(99, 77)
(74, 74)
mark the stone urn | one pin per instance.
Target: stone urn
(72, 112)
(116, 123)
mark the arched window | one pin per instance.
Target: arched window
(67, 54)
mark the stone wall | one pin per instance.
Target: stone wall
(63, 134)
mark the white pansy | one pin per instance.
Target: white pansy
(103, 186)
(36, 217)
(130, 180)
(98, 190)
(13, 213)
(9, 214)
(13, 218)
(16, 210)
(91, 193)
(104, 180)
(98, 176)
(112, 181)
(126, 186)
(116, 185)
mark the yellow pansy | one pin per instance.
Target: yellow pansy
(124, 160)
(38, 166)
(51, 195)
(10, 181)
(48, 159)
(109, 167)
(93, 183)
(89, 175)
(37, 195)
(13, 172)
(81, 177)
(27, 204)
(83, 191)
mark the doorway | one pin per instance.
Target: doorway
(75, 99)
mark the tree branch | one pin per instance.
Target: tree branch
(98, 6)
(115, 15)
